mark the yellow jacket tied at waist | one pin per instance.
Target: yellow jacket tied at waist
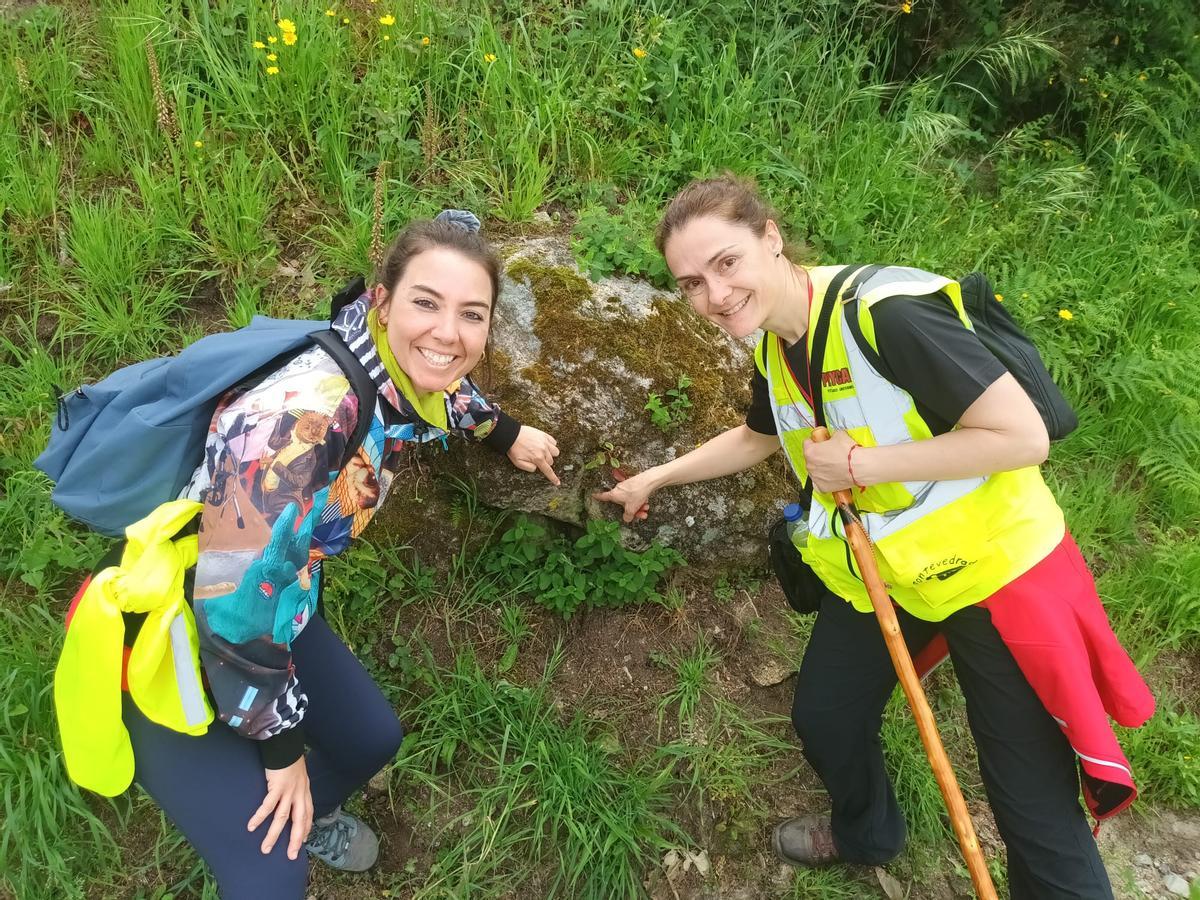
(164, 664)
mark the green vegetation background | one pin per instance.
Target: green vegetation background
(147, 198)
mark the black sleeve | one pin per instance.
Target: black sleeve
(930, 353)
(504, 434)
(758, 414)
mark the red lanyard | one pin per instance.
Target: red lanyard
(808, 394)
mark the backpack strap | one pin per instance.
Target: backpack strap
(760, 355)
(864, 346)
(816, 359)
(364, 387)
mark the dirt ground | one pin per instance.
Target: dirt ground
(614, 667)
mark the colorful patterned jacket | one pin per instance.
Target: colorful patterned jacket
(277, 501)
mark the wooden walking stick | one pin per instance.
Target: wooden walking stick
(890, 626)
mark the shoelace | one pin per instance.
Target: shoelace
(332, 840)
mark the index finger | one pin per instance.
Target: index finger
(548, 470)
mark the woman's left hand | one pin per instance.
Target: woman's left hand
(534, 451)
(828, 462)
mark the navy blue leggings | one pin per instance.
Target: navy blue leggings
(210, 786)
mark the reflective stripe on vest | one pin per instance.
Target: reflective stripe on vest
(942, 545)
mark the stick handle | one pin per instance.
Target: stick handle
(926, 726)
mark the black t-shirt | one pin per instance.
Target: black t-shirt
(928, 352)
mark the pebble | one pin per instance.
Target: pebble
(1176, 885)
(1143, 859)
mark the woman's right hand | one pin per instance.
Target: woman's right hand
(632, 492)
(289, 796)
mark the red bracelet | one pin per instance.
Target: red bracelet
(850, 467)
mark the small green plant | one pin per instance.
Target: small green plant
(593, 570)
(691, 681)
(618, 244)
(670, 411)
(516, 629)
(605, 456)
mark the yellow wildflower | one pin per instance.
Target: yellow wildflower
(639, 52)
(271, 57)
(425, 41)
(197, 144)
(289, 37)
(286, 25)
(906, 7)
(489, 57)
(1066, 314)
(1000, 297)
(259, 45)
(272, 70)
(389, 19)
(1142, 77)
(387, 37)
(330, 13)
(271, 39)
(345, 21)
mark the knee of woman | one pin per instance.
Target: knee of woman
(270, 875)
(817, 725)
(386, 741)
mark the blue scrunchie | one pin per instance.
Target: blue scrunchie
(460, 217)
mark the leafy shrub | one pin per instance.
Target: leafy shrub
(618, 244)
(593, 570)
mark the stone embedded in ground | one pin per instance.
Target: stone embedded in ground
(770, 672)
(578, 359)
(1177, 885)
(1143, 859)
(890, 884)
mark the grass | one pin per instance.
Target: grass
(127, 232)
(526, 798)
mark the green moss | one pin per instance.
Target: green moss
(670, 342)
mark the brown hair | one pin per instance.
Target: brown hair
(427, 234)
(728, 196)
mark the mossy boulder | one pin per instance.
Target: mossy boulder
(579, 359)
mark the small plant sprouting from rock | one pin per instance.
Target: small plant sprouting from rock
(605, 456)
(670, 411)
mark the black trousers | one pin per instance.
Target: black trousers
(1028, 768)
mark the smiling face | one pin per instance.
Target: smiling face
(437, 317)
(730, 275)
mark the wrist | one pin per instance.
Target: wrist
(863, 463)
(658, 476)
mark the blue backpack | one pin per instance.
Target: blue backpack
(121, 447)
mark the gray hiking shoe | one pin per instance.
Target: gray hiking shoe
(805, 841)
(343, 841)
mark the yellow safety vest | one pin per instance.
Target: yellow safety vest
(941, 545)
(164, 663)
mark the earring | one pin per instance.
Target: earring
(777, 252)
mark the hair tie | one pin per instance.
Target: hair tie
(463, 218)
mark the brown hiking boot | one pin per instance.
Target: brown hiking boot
(805, 841)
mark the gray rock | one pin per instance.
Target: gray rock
(1176, 885)
(1143, 859)
(770, 672)
(578, 359)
